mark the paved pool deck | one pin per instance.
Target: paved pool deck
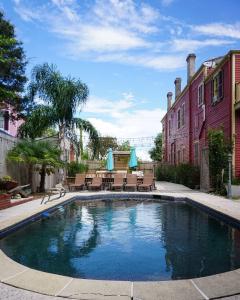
(20, 282)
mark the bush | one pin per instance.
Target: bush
(219, 148)
(74, 168)
(185, 174)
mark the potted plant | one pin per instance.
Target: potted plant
(7, 183)
(5, 199)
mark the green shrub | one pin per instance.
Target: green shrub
(219, 148)
(188, 175)
(235, 181)
(185, 174)
(74, 168)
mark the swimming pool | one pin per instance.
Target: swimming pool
(127, 240)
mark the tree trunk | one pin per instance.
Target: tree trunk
(42, 180)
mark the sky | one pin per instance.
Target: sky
(127, 52)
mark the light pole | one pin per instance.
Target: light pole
(229, 175)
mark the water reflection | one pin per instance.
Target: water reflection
(127, 240)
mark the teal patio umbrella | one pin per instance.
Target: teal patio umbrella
(110, 165)
(133, 158)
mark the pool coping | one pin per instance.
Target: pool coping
(209, 287)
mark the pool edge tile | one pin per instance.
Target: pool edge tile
(219, 285)
(97, 289)
(166, 290)
(39, 282)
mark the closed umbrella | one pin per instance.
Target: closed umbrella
(133, 158)
(110, 166)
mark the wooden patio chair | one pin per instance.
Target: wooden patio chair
(147, 184)
(96, 184)
(118, 182)
(79, 182)
(131, 182)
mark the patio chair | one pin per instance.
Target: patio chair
(58, 189)
(131, 182)
(147, 184)
(79, 182)
(117, 182)
(96, 184)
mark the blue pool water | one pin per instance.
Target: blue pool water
(127, 240)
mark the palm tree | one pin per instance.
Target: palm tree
(43, 156)
(62, 97)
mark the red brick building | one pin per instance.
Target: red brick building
(211, 99)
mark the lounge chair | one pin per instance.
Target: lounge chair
(79, 182)
(58, 189)
(118, 182)
(147, 184)
(131, 182)
(96, 184)
(23, 190)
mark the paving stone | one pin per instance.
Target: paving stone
(97, 290)
(9, 267)
(8, 292)
(225, 284)
(166, 290)
(40, 282)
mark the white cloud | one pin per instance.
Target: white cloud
(124, 120)
(100, 39)
(219, 29)
(110, 108)
(157, 62)
(124, 31)
(167, 2)
(192, 45)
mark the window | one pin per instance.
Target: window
(196, 153)
(217, 87)
(179, 156)
(169, 127)
(200, 94)
(1, 120)
(183, 115)
(179, 119)
(183, 155)
(4, 120)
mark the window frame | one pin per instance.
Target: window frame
(2, 120)
(217, 86)
(179, 118)
(196, 157)
(182, 115)
(201, 94)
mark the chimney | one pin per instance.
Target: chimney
(169, 100)
(190, 66)
(177, 83)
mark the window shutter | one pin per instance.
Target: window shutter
(6, 120)
(212, 90)
(220, 85)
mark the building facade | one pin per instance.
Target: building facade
(210, 100)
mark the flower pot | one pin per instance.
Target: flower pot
(5, 201)
(8, 185)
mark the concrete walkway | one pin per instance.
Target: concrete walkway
(22, 278)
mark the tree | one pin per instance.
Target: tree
(156, 151)
(125, 146)
(105, 143)
(62, 97)
(43, 156)
(12, 65)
